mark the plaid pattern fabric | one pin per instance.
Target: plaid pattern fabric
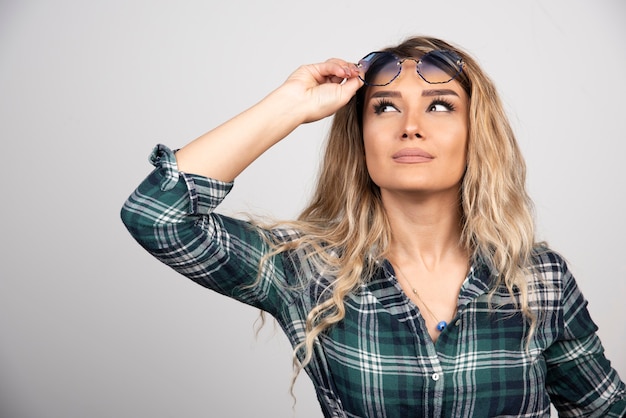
(379, 361)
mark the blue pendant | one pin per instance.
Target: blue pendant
(441, 326)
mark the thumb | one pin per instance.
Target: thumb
(350, 87)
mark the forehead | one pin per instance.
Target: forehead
(409, 83)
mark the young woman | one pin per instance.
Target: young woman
(412, 284)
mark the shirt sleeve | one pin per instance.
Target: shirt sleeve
(580, 379)
(171, 215)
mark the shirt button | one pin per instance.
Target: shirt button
(458, 322)
(435, 376)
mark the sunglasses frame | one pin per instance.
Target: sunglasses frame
(456, 59)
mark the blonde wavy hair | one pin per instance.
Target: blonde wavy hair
(345, 226)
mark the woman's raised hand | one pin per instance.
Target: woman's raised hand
(319, 90)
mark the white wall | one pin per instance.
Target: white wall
(92, 326)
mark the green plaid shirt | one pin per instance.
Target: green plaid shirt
(380, 361)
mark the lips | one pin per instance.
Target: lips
(412, 155)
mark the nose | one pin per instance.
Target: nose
(412, 127)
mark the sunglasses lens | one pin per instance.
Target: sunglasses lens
(439, 66)
(378, 68)
(435, 67)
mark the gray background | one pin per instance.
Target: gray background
(92, 326)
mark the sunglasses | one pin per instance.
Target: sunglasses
(434, 67)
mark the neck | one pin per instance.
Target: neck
(425, 229)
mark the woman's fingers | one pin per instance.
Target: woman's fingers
(331, 71)
(336, 70)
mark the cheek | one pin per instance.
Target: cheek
(369, 141)
(373, 155)
(460, 154)
(370, 153)
(457, 140)
(376, 136)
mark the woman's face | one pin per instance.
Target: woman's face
(415, 134)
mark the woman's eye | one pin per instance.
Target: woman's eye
(441, 106)
(384, 107)
(438, 108)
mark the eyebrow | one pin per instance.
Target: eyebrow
(439, 92)
(425, 93)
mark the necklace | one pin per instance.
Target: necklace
(441, 325)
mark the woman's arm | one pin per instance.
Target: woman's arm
(311, 93)
(580, 379)
(171, 213)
